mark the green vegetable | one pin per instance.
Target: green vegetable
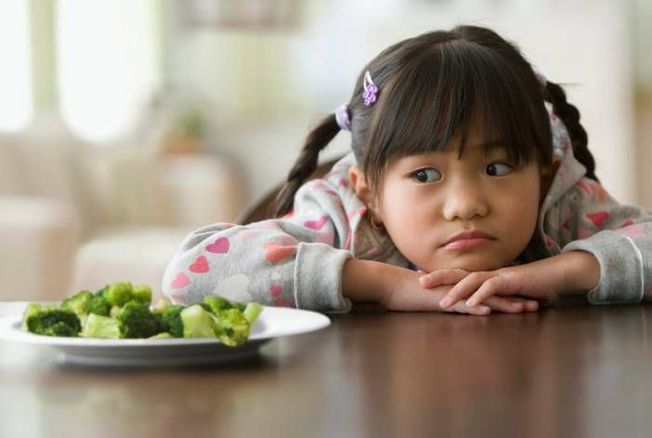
(252, 312)
(169, 320)
(78, 303)
(197, 322)
(98, 326)
(232, 328)
(142, 294)
(135, 320)
(120, 311)
(50, 321)
(118, 294)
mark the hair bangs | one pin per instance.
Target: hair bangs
(436, 101)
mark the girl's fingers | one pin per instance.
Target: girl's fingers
(464, 288)
(506, 305)
(442, 277)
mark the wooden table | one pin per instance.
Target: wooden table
(571, 372)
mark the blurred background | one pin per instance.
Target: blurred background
(124, 124)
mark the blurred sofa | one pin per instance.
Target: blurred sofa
(77, 216)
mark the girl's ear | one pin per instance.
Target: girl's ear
(358, 183)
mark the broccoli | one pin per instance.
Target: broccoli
(169, 319)
(252, 311)
(135, 320)
(78, 303)
(197, 322)
(131, 321)
(98, 326)
(118, 294)
(215, 304)
(99, 305)
(232, 328)
(49, 321)
(142, 294)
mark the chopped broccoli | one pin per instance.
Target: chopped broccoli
(169, 320)
(162, 335)
(136, 321)
(118, 294)
(78, 303)
(197, 322)
(215, 304)
(98, 326)
(99, 305)
(49, 321)
(142, 294)
(252, 312)
(120, 310)
(162, 304)
(232, 328)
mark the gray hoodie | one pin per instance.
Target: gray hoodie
(297, 260)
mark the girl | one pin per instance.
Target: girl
(464, 192)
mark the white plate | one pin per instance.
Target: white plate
(273, 322)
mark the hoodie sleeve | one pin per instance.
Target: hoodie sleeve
(294, 261)
(619, 236)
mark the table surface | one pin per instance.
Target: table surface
(569, 371)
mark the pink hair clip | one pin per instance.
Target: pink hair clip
(370, 94)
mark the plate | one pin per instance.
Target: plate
(273, 322)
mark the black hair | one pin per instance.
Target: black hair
(433, 88)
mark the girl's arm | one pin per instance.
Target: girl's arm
(603, 249)
(397, 288)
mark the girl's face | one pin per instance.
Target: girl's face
(475, 212)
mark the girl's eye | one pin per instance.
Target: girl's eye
(498, 169)
(427, 175)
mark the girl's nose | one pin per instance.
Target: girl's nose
(465, 200)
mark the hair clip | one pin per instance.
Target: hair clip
(370, 94)
(343, 117)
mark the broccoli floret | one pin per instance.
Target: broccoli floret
(197, 322)
(163, 335)
(232, 328)
(99, 305)
(98, 326)
(252, 311)
(50, 321)
(142, 294)
(78, 303)
(169, 320)
(215, 304)
(136, 321)
(162, 304)
(118, 294)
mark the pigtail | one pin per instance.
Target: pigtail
(570, 115)
(306, 163)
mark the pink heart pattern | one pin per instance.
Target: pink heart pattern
(598, 218)
(181, 280)
(633, 231)
(274, 252)
(316, 224)
(276, 290)
(220, 246)
(200, 266)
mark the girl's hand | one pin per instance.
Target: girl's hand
(398, 288)
(544, 280)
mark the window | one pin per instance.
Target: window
(15, 74)
(107, 66)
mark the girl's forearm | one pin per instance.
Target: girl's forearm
(366, 281)
(581, 272)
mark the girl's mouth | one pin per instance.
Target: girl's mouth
(468, 240)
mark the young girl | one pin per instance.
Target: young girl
(464, 192)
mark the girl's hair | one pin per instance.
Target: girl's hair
(433, 89)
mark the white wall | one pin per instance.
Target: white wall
(266, 89)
